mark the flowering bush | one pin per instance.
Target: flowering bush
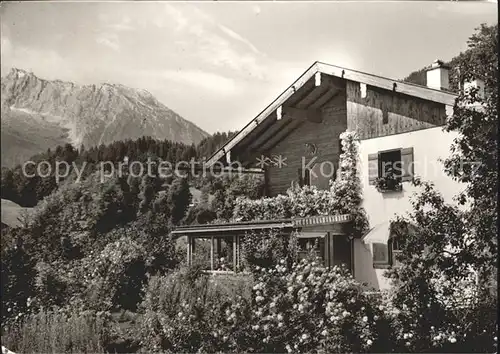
(297, 202)
(264, 250)
(18, 276)
(302, 308)
(468, 326)
(313, 308)
(228, 188)
(114, 277)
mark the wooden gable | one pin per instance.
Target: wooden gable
(375, 106)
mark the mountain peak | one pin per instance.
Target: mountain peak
(90, 114)
(18, 73)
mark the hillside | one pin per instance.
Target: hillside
(463, 66)
(11, 212)
(38, 114)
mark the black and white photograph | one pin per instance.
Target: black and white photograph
(249, 176)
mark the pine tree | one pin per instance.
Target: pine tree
(179, 197)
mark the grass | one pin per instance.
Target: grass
(55, 332)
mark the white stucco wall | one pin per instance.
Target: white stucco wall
(429, 145)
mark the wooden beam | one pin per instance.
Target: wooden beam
(312, 115)
(270, 132)
(235, 253)
(238, 251)
(325, 83)
(188, 238)
(302, 92)
(362, 88)
(281, 134)
(310, 98)
(343, 73)
(218, 244)
(388, 84)
(317, 79)
(305, 92)
(212, 253)
(323, 99)
(290, 114)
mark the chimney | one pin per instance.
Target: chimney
(438, 76)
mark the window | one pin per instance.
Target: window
(310, 247)
(390, 164)
(399, 162)
(394, 250)
(380, 255)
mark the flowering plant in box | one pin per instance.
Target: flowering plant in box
(388, 182)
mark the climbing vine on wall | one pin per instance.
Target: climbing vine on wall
(347, 196)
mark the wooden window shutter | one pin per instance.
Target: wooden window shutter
(299, 177)
(407, 164)
(372, 168)
(307, 177)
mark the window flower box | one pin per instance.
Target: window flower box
(389, 183)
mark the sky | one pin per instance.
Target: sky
(219, 64)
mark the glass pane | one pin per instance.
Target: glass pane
(310, 248)
(396, 244)
(201, 252)
(380, 253)
(223, 255)
(390, 162)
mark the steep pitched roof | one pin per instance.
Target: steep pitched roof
(269, 112)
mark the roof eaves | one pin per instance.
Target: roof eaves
(264, 113)
(263, 224)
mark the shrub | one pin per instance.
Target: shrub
(50, 287)
(65, 224)
(199, 214)
(183, 310)
(115, 276)
(450, 317)
(266, 249)
(228, 188)
(18, 275)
